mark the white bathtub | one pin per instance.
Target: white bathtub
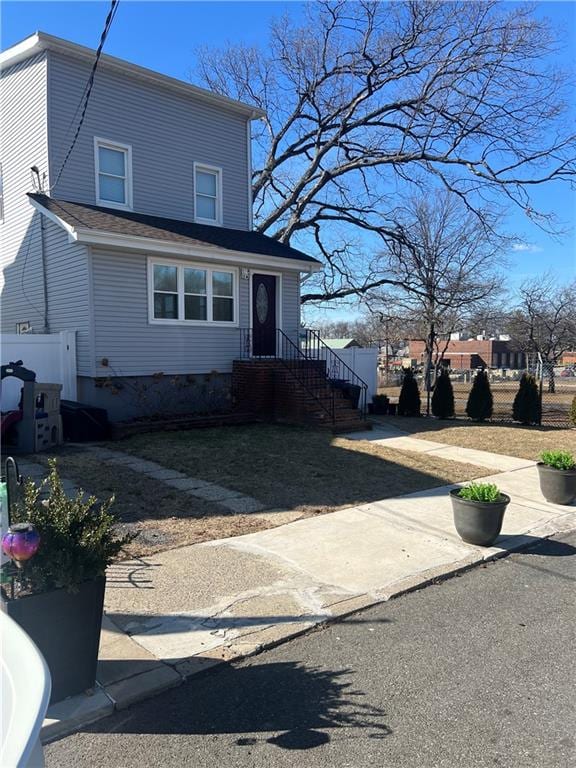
(25, 693)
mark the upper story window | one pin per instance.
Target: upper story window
(191, 293)
(207, 194)
(113, 163)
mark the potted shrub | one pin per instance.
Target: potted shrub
(478, 512)
(57, 596)
(557, 472)
(380, 404)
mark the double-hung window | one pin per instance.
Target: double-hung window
(192, 294)
(207, 194)
(113, 164)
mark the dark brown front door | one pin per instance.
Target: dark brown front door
(263, 315)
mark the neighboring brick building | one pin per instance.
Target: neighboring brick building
(473, 353)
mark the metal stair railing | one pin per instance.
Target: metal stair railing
(311, 378)
(336, 369)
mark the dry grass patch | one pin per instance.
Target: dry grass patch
(163, 517)
(523, 442)
(297, 468)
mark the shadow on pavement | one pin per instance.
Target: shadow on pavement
(535, 545)
(289, 705)
(161, 624)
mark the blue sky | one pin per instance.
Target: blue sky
(164, 35)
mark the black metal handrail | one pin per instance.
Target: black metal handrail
(279, 346)
(328, 373)
(336, 369)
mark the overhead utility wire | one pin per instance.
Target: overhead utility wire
(89, 85)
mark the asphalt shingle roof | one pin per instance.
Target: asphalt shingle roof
(83, 216)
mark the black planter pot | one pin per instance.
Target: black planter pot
(558, 486)
(66, 628)
(478, 522)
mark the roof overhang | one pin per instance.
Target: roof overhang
(40, 41)
(148, 245)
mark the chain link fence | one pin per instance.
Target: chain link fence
(557, 387)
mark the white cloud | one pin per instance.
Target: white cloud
(526, 248)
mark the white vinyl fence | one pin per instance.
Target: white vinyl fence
(364, 363)
(51, 356)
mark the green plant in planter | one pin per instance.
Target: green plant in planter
(485, 492)
(78, 538)
(562, 460)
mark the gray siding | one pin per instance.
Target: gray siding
(23, 143)
(69, 294)
(134, 347)
(168, 132)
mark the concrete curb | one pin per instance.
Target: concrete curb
(80, 711)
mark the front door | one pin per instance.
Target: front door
(263, 315)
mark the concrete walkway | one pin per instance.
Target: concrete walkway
(180, 612)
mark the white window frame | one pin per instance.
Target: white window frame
(209, 269)
(118, 147)
(217, 171)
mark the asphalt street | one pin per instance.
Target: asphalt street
(476, 671)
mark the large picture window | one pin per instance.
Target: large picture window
(113, 163)
(191, 294)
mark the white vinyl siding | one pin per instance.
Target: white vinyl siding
(207, 194)
(185, 293)
(113, 164)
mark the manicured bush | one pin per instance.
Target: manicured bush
(78, 538)
(443, 397)
(573, 411)
(558, 459)
(526, 408)
(409, 400)
(480, 401)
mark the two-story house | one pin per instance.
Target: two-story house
(140, 239)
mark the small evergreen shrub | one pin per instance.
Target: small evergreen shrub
(77, 536)
(526, 408)
(443, 397)
(480, 401)
(409, 400)
(487, 492)
(573, 411)
(380, 404)
(558, 459)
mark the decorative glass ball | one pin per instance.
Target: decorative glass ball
(21, 542)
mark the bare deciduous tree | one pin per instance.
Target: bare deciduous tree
(544, 321)
(445, 263)
(363, 98)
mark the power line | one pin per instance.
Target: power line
(89, 85)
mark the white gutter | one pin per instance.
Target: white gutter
(105, 239)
